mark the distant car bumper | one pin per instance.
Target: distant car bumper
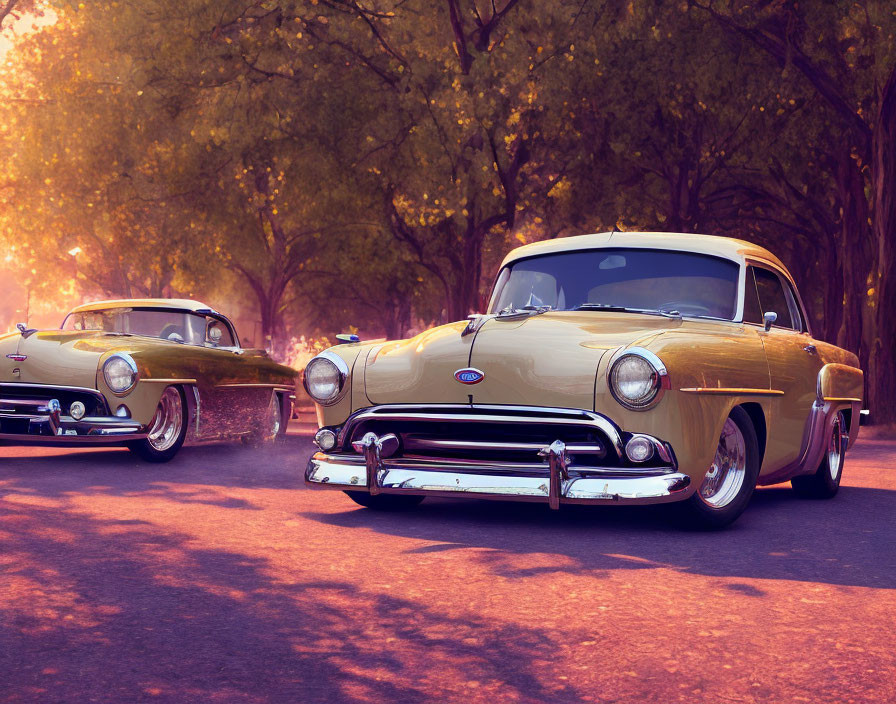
(37, 414)
(496, 452)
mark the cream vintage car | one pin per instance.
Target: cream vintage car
(150, 374)
(610, 369)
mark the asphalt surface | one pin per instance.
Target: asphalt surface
(219, 578)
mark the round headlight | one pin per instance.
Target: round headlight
(636, 380)
(324, 379)
(120, 373)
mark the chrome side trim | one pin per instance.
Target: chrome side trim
(731, 391)
(169, 382)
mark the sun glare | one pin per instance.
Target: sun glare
(15, 29)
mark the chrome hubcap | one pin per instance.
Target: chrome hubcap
(725, 477)
(167, 422)
(837, 446)
(274, 412)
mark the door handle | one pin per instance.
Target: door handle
(810, 349)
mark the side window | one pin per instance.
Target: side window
(752, 308)
(796, 313)
(772, 297)
(218, 334)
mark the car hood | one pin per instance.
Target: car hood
(548, 360)
(62, 357)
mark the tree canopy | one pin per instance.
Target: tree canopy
(327, 163)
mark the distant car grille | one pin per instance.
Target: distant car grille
(512, 434)
(18, 402)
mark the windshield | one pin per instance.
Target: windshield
(682, 283)
(164, 323)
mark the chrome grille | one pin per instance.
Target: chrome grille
(496, 434)
(22, 405)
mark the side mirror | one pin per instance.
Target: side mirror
(770, 318)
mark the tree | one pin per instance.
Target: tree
(853, 70)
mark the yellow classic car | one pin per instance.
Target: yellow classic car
(610, 369)
(150, 374)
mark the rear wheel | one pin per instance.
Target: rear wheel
(825, 483)
(384, 502)
(270, 425)
(728, 485)
(167, 430)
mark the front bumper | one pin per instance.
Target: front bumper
(34, 414)
(349, 473)
(373, 462)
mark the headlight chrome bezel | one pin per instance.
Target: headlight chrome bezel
(341, 369)
(659, 383)
(127, 359)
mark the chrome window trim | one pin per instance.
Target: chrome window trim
(223, 319)
(737, 261)
(201, 312)
(663, 381)
(798, 299)
(343, 370)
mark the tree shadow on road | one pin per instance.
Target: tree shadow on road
(202, 474)
(845, 541)
(106, 610)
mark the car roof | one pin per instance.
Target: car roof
(726, 247)
(172, 303)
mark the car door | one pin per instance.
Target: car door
(793, 361)
(234, 399)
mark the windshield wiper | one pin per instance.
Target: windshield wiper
(625, 309)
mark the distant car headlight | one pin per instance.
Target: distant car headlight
(120, 373)
(637, 379)
(325, 378)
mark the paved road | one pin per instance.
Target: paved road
(218, 578)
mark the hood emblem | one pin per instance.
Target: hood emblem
(469, 375)
(17, 357)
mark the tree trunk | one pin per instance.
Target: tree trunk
(882, 392)
(831, 289)
(855, 254)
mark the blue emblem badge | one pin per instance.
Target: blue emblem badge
(469, 375)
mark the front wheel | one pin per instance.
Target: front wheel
(385, 502)
(167, 430)
(728, 485)
(825, 483)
